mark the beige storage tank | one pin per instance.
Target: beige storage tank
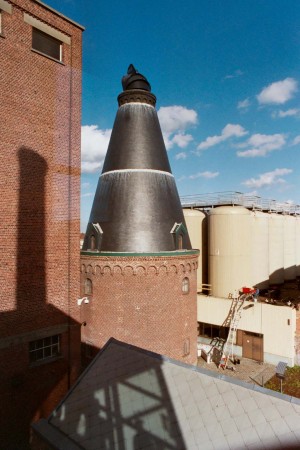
(196, 222)
(260, 249)
(289, 247)
(229, 237)
(298, 246)
(276, 270)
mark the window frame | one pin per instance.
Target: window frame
(185, 286)
(88, 286)
(51, 38)
(45, 349)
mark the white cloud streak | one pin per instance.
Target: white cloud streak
(279, 92)
(289, 112)
(296, 141)
(181, 155)
(230, 130)
(206, 174)
(174, 121)
(94, 143)
(235, 74)
(262, 144)
(268, 179)
(244, 104)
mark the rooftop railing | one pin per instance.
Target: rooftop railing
(231, 198)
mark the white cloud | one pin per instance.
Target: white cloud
(206, 174)
(296, 141)
(181, 155)
(230, 130)
(267, 179)
(289, 112)
(94, 143)
(244, 104)
(88, 194)
(174, 120)
(262, 144)
(236, 73)
(85, 185)
(278, 92)
(182, 140)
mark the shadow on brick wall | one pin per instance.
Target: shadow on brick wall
(31, 387)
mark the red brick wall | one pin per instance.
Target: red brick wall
(139, 300)
(40, 186)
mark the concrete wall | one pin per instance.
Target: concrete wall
(269, 320)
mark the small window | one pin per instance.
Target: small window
(92, 243)
(180, 242)
(47, 45)
(185, 285)
(88, 287)
(45, 348)
(186, 347)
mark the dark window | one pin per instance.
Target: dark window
(88, 287)
(212, 331)
(44, 348)
(46, 44)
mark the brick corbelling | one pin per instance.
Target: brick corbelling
(138, 265)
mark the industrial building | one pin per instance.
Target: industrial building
(248, 242)
(40, 99)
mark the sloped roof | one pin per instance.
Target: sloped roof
(129, 398)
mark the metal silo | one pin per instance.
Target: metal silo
(276, 262)
(289, 247)
(196, 222)
(229, 235)
(260, 249)
(298, 246)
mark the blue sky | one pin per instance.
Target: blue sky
(226, 75)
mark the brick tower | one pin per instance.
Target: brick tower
(138, 270)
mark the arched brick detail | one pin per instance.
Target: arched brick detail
(128, 270)
(106, 270)
(162, 270)
(83, 268)
(182, 268)
(89, 269)
(173, 268)
(152, 270)
(140, 270)
(117, 270)
(98, 270)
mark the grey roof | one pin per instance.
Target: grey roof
(129, 398)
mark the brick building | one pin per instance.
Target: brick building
(40, 100)
(138, 270)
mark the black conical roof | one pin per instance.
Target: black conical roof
(136, 206)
